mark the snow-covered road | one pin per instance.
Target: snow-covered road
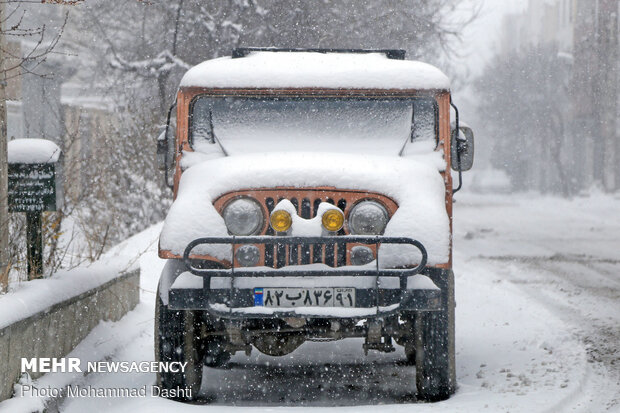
(538, 327)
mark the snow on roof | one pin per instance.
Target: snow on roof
(33, 151)
(312, 69)
(414, 183)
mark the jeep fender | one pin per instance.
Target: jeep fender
(171, 271)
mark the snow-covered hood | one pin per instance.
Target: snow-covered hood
(414, 183)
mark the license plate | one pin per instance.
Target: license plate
(305, 297)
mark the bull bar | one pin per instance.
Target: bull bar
(409, 300)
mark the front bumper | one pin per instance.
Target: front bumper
(229, 293)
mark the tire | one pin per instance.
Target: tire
(410, 353)
(407, 340)
(177, 339)
(432, 356)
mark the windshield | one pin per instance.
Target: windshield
(375, 126)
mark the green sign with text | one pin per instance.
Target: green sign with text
(32, 187)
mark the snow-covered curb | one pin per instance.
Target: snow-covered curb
(32, 297)
(102, 341)
(49, 317)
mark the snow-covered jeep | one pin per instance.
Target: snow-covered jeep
(313, 200)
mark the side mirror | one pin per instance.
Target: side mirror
(162, 150)
(166, 147)
(462, 148)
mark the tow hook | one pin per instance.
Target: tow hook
(376, 340)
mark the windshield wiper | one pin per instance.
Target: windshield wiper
(410, 137)
(214, 138)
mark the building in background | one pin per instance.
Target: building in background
(50, 105)
(88, 122)
(595, 90)
(585, 34)
(542, 22)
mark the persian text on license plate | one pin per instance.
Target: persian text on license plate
(305, 297)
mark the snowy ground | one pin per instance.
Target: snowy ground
(538, 327)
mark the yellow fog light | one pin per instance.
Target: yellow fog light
(281, 220)
(333, 219)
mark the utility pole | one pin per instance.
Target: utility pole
(4, 184)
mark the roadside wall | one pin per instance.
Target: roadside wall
(57, 329)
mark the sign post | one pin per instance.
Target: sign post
(32, 190)
(34, 240)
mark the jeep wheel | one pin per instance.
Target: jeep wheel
(407, 337)
(410, 353)
(177, 340)
(432, 358)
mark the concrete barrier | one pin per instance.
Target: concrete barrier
(55, 331)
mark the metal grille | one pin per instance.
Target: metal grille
(332, 253)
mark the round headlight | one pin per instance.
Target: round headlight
(332, 219)
(281, 220)
(243, 216)
(368, 218)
